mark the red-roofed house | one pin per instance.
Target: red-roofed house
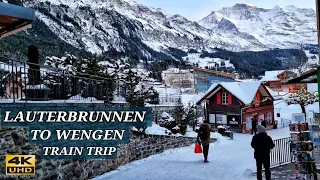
(235, 103)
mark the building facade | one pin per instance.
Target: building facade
(178, 78)
(235, 103)
(277, 81)
(204, 78)
(168, 95)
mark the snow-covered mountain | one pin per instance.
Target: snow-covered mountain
(100, 26)
(277, 27)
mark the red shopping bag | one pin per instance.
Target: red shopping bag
(197, 149)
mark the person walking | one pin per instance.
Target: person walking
(264, 123)
(253, 126)
(262, 145)
(204, 138)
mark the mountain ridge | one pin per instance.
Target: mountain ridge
(126, 28)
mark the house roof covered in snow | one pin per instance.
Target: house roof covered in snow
(176, 70)
(190, 98)
(272, 75)
(244, 91)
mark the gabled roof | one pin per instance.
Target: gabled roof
(309, 77)
(272, 75)
(244, 91)
(14, 18)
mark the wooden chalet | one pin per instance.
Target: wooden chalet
(235, 103)
(276, 80)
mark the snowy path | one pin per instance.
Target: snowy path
(229, 159)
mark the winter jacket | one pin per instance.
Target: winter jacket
(254, 124)
(264, 123)
(209, 129)
(262, 145)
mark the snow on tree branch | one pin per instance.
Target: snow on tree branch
(302, 97)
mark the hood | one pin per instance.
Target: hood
(261, 129)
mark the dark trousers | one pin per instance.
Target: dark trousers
(205, 151)
(254, 130)
(266, 165)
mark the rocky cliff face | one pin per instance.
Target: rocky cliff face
(104, 26)
(279, 27)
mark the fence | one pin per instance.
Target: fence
(22, 81)
(283, 123)
(281, 153)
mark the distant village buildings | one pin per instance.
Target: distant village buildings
(276, 80)
(196, 80)
(204, 78)
(177, 78)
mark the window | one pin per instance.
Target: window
(269, 117)
(212, 118)
(224, 98)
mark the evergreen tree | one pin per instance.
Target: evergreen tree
(190, 114)
(152, 96)
(134, 96)
(179, 113)
(93, 68)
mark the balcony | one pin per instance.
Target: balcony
(59, 86)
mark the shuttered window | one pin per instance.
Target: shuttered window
(224, 98)
(218, 97)
(258, 95)
(229, 98)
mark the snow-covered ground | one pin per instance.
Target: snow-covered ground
(210, 62)
(229, 159)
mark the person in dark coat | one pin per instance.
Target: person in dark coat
(264, 123)
(205, 127)
(253, 126)
(262, 145)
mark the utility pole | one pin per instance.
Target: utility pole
(318, 33)
(318, 25)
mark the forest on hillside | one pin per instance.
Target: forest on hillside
(255, 63)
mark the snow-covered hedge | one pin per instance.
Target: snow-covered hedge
(157, 130)
(168, 122)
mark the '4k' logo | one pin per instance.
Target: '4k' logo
(20, 165)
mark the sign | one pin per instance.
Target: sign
(298, 117)
(212, 118)
(233, 119)
(20, 165)
(221, 119)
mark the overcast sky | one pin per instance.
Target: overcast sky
(197, 9)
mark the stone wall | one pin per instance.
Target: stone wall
(15, 141)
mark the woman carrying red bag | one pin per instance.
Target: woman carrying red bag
(204, 139)
(197, 149)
